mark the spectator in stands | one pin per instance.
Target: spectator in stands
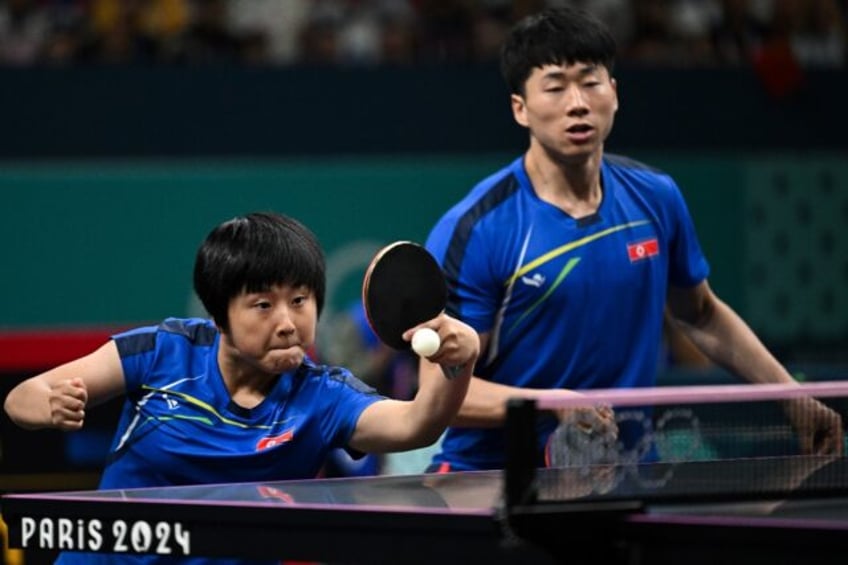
(24, 30)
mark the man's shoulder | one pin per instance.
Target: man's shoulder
(483, 205)
(487, 194)
(631, 174)
(628, 165)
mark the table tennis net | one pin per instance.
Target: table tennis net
(694, 443)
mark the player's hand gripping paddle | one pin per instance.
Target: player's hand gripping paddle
(403, 287)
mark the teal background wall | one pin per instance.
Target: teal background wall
(112, 243)
(110, 178)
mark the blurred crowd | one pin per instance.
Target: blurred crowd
(670, 33)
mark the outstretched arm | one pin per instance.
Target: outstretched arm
(729, 342)
(397, 425)
(58, 398)
(722, 335)
(485, 402)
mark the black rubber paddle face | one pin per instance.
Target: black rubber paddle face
(403, 287)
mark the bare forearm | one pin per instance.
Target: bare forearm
(395, 425)
(28, 405)
(729, 342)
(485, 403)
(400, 425)
(59, 397)
(438, 401)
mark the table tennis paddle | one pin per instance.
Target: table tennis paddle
(403, 287)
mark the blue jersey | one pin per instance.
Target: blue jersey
(569, 303)
(179, 426)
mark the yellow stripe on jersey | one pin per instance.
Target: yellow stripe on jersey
(554, 253)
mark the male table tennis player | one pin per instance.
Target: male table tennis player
(236, 399)
(564, 259)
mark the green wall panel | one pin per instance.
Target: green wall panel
(105, 243)
(112, 243)
(796, 275)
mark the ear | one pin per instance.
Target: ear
(519, 109)
(614, 84)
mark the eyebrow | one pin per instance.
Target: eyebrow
(583, 70)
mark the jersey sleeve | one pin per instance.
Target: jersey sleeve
(688, 265)
(137, 349)
(156, 352)
(346, 398)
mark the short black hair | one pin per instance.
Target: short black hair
(553, 37)
(252, 253)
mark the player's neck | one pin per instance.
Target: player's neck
(574, 186)
(247, 386)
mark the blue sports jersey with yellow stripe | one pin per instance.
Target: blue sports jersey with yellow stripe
(569, 303)
(179, 426)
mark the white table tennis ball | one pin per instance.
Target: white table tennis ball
(425, 342)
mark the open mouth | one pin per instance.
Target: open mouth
(580, 134)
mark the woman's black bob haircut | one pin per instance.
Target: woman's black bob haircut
(252, 253)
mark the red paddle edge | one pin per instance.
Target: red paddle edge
(366, 280)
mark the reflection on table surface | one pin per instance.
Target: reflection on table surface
(480, 491)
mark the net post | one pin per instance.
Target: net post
(520, 464)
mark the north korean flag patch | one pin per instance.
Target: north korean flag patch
(273, 441)
(643, 250)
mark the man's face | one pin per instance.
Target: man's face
(272, 330)
(569, 109)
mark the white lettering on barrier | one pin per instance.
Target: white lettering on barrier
(162, 538)
(65, 534)
(45, 533)
(27, 530)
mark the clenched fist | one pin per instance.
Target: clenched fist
(67, 404)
